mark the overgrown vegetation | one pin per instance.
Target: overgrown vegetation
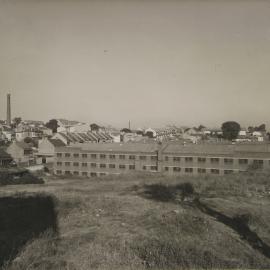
(18, 177)
(145, 221)
(23, 218)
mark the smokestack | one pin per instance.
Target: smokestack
(8, 110)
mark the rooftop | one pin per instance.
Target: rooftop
(116, 147)
(219, 149)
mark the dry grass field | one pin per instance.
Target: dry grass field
(142, 221)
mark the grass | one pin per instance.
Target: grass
(145, 221)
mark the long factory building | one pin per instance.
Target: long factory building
(91, 159)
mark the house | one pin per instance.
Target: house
(257, 134)
(150, 131)
(7, 132)
(5, 158)
(242, 133)
(46, 149)
(22, 153)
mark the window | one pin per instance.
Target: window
(201, 159)
(112, 166)
(166, 158)
(58, 172)
(93, 156)
(76, 155)
(142, 157)
(84, 155)
(132, 167)
(102, 156)
(201, 170)
(76, 164)
(153, 157)
(67, 172)
(228, 171)
(93, 174)
(59, 154)
(102, 165)
(188, 170)
(153, 168)
(121, 156)
(214, 160)
(243, 161)
(84, 164)
(166, 169)
(93, 165)
(176, 169)
(188, 159)
(27, 152)
(75, 173)
(228, 160)
(59, 163)
(258, 161)
(144, 168)
(112, 156)
(67, 154)
(132, 157)
(214, 171)
(84, 173)
(122, 166)
(102, 174)
(176, 158)
(67, 163)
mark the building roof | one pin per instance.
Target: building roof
(78, 137)
(219, 149)
(4, 154)
(23, 145)
(114, 147)
(56, 142)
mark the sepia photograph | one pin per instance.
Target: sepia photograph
(134, 134)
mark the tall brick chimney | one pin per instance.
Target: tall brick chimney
(8, 110)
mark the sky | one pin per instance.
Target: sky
(150, 62)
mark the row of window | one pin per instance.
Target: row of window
(214, 160)
(152, 168)
(103, 156)
(95, 165)
(92, 174)
(199, 170)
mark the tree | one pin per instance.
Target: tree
(126, 130)
(261, 128)
(53, 125)
(149, 134)
(94, 127)
(17, 121)
(139, 132)
(250, 129)
(230, 130)
(201, 127)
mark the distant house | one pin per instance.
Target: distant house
(21, 152)
(7, 132)
(242, 133)
(5, 158)
(46, 149)
(257, 134)
(151, 131)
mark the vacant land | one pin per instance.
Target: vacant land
(148, 221)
